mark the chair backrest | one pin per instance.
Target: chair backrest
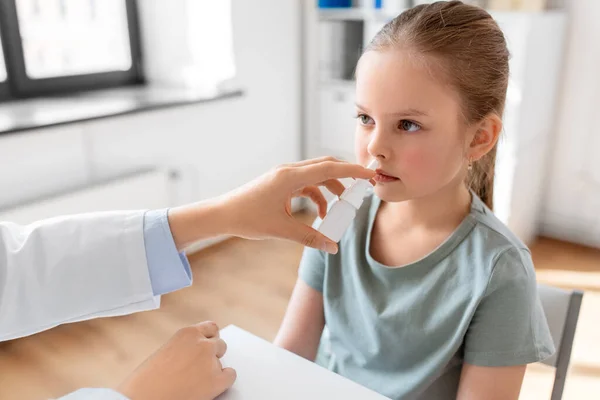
(562, 312)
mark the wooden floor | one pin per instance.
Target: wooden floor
(248, 283)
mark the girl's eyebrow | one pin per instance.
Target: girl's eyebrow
(411, 112)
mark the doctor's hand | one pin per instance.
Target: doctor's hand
(262, 208)
(187, 367)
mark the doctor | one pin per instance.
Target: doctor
(74, 268)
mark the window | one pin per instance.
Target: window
(54, 46)
(73, 37)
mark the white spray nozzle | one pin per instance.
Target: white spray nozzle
(356, 192)
(373, 164)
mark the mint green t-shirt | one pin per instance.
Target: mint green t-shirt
(405, 332)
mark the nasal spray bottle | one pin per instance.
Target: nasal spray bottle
(342, 212)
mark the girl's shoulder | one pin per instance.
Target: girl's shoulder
(492, 230)
(498, 247)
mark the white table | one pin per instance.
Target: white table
(266, 372)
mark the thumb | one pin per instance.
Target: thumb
(310, 237)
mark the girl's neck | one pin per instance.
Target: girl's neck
(448, 206)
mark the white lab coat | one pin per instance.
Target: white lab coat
(69, 269)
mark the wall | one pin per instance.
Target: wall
(219, 146)
(571, 210)
(215, 146)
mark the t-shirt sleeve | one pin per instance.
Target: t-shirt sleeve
(509, 326)
(312, 265)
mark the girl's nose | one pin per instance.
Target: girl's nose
(378, 145)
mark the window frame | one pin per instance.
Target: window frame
(4, 85)
(4, 91)
(19, 85)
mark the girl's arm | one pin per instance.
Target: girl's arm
(490, 383)
(303, 324)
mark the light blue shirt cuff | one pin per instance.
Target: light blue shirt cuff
(94, 394)
(169, 270)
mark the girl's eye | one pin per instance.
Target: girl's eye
(365, 119)
(409, 126)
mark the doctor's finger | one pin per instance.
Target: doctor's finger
(334, 186)
(220, 347)
(208, 329)
(324, 171)
(311, 161)
(313, 193)
(307, 236)
(226, 379)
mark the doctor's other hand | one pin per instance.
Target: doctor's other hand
(187, 367)
(262, 208)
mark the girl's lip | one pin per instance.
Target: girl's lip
(382, 172)
(383, 178)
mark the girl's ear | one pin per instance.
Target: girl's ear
(485, 137)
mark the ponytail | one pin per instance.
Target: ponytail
(480, 178)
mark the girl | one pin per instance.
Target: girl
(430, 295)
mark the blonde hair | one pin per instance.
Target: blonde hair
(471, 52)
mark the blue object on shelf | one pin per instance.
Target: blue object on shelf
(335, 3)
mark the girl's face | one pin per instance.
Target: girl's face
(411, 123)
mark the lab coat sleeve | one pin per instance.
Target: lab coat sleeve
(94, 394)
(72, 268)
(169, 269)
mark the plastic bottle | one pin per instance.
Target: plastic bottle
(342, 212)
